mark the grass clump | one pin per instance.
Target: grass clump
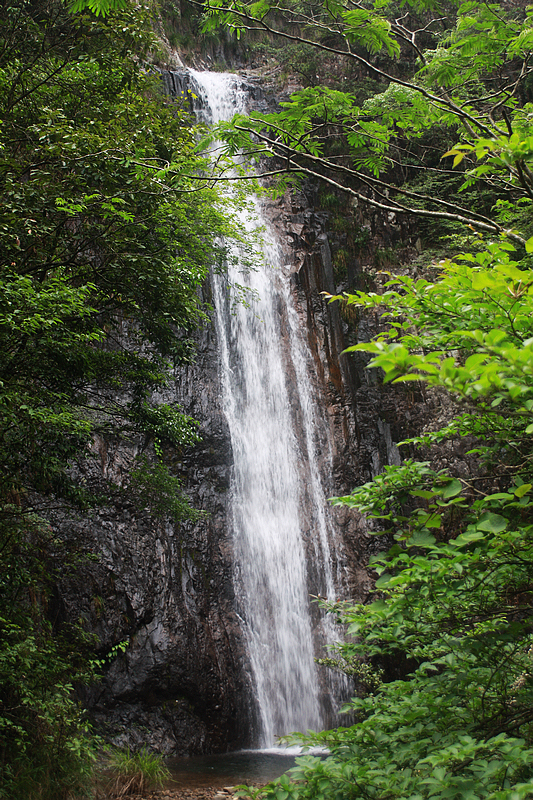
(135, 773)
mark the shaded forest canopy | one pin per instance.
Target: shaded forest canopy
(105, 245)
(419, 110)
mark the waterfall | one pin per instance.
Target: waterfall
(279, 511)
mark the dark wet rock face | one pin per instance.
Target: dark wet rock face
(166, 589)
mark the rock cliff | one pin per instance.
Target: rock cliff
(183, 685)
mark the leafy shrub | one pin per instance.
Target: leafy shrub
(453, 607)
(103, 253)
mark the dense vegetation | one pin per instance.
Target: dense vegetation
(446, 135)
(105, 243)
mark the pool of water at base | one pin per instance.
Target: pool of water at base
(230, 769)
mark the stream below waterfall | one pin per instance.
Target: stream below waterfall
(283, 539)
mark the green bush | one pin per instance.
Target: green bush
(105, 242)
(443, 655)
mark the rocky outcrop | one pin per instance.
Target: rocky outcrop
(165, 590)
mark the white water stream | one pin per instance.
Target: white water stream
(279, 509)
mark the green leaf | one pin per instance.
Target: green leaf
(458, 158)
(493, 523)
(430, 520)
(469, 536)
(451, 489)
(383, 581)
(421, 539)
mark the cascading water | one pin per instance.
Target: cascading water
(279, 510)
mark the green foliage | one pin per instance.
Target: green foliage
(482, 308)
(453, 85)
(107, 233)
(134, 773)
(106, 242)
(53, 759)
(443, 654)
(46, 748)
(98, 7)
(153, 486)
